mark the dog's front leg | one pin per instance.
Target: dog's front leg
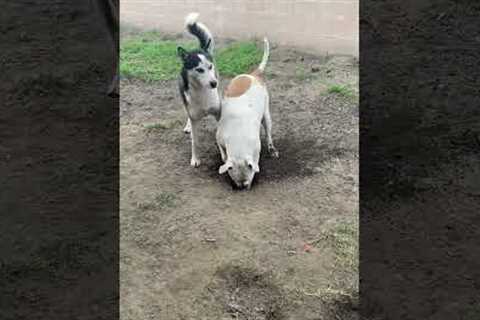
(223, 154)
(195, 124)
(188, 126)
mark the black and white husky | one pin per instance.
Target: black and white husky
(198, 82)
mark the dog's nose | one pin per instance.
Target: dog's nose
(213, 84)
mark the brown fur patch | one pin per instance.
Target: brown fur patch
(258, 76)
(238, 86)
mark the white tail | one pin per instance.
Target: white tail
(266, 54)
(191, 19)
(200, 31)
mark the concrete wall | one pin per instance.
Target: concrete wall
(319, 26)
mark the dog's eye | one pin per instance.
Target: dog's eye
(210, 67)
(230, 168)
(250, 166)
(200, 70)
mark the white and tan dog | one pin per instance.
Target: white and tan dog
(244, 108)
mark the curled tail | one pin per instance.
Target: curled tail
(266, 54)
(200, 31)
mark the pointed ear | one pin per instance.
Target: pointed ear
(182, 53)
(253, 166)
(225, 167)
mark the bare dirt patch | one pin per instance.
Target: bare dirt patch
(194, 248)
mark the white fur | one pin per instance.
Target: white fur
(266, 54)
(238, 132)
(191, 19)
(202, 99)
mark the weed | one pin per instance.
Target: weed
(340, 90)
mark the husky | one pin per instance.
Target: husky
(198, 82)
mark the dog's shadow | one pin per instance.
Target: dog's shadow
(297, 159)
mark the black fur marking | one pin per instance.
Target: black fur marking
(183, 91)
(202, 37)
(183, 86)
(192, 59)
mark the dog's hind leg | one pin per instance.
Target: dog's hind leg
(267, 124)
(195, 161)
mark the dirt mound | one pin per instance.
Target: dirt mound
(244, 293)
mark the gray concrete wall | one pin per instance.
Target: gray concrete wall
(321, 26)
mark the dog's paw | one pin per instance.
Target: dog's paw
(194, 162)
(188, 128)
(273, 152)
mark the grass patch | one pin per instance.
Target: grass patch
(343, 239)
(165, 200)
(302, 74)
(239, 57)
(340, 90)
(160, 201)
(148, 57)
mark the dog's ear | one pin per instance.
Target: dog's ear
(225, 167)
(182, 53)
(253, 166)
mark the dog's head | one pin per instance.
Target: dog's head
(198, 67)
(241, 171)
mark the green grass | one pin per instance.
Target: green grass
(340, 90)
(239, 57)
(147, 57)
(343, 239)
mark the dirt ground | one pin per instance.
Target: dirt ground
(194, 248)
(58, 163)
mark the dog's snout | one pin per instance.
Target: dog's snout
(213, 84)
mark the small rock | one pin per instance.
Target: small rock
(259, 309)
(307, 248)
(291, 252)
(234, 307)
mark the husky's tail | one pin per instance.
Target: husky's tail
(266, 54)
(200, 31)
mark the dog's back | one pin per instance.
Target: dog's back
(248, 91)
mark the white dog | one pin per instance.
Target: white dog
(198, 82)
(244, 108)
